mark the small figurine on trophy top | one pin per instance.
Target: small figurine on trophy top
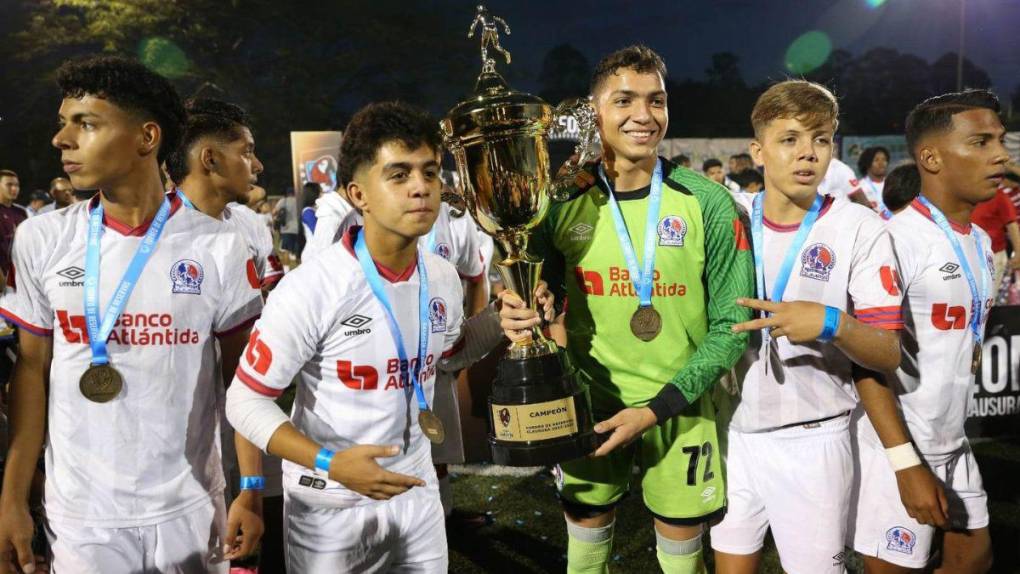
(490, 37)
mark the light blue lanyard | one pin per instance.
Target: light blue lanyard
(977, 300)
(758, 237)
(430, 240)
(99, 333)
(375, 282)
(643, 279)
(184, 199)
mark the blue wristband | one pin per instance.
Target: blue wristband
(832, 317)
(322, 461)
(253, 483)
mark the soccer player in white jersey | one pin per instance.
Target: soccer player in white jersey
(873, 165)
(818, 264)
(216, 168)
(364, 327)
(133, 475)
(945, 265)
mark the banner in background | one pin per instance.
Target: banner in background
(314, 158)
(995, 403)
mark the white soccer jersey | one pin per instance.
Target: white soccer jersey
(152, 452)
(846, 262)
(873, 191)
(259, 238)
(934, 381)
(324, 324)
(839, 181)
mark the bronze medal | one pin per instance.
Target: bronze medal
(975, 361)
(646, 323)
(100, 383)
(432, 427)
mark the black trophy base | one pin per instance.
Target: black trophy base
(535, 381)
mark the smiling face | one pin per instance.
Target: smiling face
(795, 156)
(101, 143)
(632, 113)
(399, 192)
(970, 157)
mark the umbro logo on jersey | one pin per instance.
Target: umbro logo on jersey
(316, 483)
(581, 232)
(950, 269)
(356, 322)
(707, 495)
(74, 274)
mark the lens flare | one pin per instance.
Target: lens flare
(164, 57)
(807, 52)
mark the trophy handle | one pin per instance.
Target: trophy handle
(586, 150)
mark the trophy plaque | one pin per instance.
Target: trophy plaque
(539, 414)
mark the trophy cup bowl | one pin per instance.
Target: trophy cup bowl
(538, 413)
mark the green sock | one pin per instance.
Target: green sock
(588, 549)
(679, 556)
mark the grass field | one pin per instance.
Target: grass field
(528, 533)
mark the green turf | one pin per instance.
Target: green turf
(528, 533)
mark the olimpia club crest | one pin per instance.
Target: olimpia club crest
(817, 262)
(672, 230)
(186, 277)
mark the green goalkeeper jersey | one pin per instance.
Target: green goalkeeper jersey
(703, 264)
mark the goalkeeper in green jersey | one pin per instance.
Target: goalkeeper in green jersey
(650, 258)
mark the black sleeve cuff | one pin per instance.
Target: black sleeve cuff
(668, 403)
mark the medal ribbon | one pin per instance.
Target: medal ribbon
(643, 279)
(184, 199)
(758, 237)
(977, 299)
(375, 282)
(98, 331)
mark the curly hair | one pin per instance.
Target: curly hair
(868, 157)
(936, 114)
(639, 58)
(129, 85)
(206, 118)
(378, 124)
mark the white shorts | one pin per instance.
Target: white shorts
(796, 480)
(189, 544)
(404, 534)
(880, 525)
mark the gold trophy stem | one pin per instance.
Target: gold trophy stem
(522, 272)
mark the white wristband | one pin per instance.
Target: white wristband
(902, 456)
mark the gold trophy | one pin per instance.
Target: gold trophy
(539, 414)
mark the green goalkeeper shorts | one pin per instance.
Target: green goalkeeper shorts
(680, 470)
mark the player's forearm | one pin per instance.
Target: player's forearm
(870, 347)
(290, 444)
(476, 296)
(27, 414)
(249, 458)
(879, 402)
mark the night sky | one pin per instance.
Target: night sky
(688, 32)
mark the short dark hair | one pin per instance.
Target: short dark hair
(936, 114)
(746, 177)
(128, 84)
(206, 117)
(54, 181)
(902, 185)
(7, 173)
(638, 57)
(710, 163)
(680, 159)
(868, 157)
(378, 124)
